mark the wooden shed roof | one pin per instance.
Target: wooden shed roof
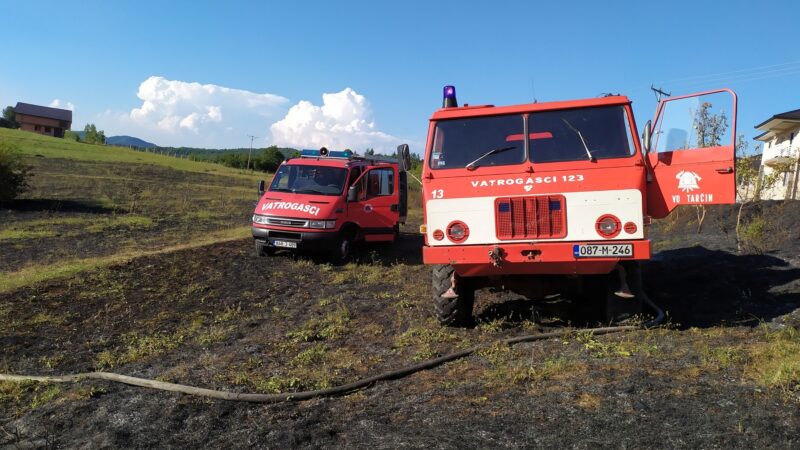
(43, 111)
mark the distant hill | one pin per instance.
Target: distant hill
(129, 141)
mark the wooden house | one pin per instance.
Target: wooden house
(43, 119)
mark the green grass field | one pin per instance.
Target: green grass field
(36, 145)
(91, 205)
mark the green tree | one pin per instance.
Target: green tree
(92, 136)
(13, 172)
(269, 160)
(710, 129)
(11, 116)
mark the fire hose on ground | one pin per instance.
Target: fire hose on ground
(329, 392)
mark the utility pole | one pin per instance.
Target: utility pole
(249, 155)
(659, 93)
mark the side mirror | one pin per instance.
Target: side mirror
(261, 186)
(646, 134)
(404, 156)
(352, 194)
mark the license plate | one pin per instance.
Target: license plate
(603, 250)
(284, 244)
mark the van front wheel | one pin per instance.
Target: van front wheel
(342, 249)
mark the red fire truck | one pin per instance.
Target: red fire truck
(324, 201)
(546, 197)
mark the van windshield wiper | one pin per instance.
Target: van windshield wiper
(280, 190)
(474, 164)
(583, 141)
(309, 191)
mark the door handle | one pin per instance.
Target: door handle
(725, 170)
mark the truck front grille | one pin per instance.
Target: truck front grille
(537, 217)
(287, 222)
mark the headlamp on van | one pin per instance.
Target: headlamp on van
(322, 224)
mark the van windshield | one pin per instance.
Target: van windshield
(316, 180)
(560, 135)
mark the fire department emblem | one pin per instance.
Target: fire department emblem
(368, 208)
(687, 181)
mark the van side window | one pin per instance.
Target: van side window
(380, 182)
(354, 174)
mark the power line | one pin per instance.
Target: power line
(744, 77)
(782, 69)
(733, 71)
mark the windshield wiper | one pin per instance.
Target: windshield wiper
(309, 191)
(474, 164)
(583, 141)
(280, 190)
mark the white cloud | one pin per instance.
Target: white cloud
(56, 103)
(343, 121)
(181, 113)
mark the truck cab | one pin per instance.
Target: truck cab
(544, 195)
(325, 201)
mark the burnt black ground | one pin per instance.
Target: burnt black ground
(664, 394)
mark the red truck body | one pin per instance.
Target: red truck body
(561, 188)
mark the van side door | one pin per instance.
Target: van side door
(376, 208)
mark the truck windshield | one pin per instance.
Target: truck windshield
(560, 135)
(579, 134)
(479, 141)
(316, 180)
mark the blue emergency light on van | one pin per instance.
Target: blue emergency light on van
(324, 152)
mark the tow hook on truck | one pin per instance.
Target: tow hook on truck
(559, 194)
(326, 201)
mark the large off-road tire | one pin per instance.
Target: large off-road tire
(618, 309)
(262, 249)
(456, 311)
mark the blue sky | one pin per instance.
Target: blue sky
(369, 74)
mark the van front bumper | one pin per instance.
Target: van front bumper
(312, 241)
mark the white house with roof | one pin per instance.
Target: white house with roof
(781, 138)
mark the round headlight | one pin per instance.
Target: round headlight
(608, 226)
(457, 231)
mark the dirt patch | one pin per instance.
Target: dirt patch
(219, 317)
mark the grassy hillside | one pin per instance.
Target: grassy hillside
(91, 205)
(36, 145)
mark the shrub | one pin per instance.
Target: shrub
(72, 136)
(13, 172)
(754, 234)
